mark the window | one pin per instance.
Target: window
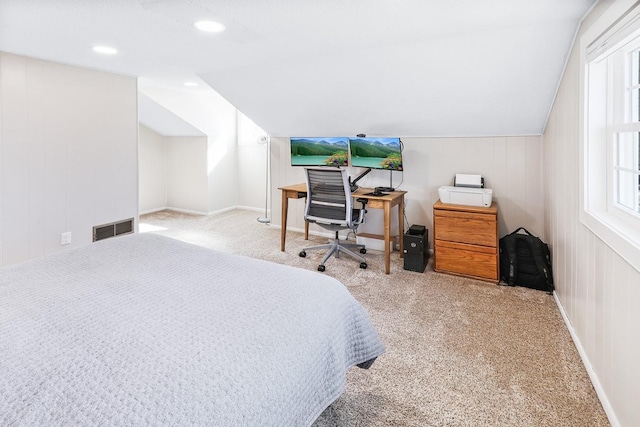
(610, 197)
(624, 167)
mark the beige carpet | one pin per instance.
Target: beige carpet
(460, 352)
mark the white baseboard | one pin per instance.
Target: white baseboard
(217, 212)
(188, 211)
(252, 209)
(589, 367)
(152, 211)
(221, 211)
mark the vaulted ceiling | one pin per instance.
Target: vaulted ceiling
(331, 67)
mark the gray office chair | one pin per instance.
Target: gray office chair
(330, 205)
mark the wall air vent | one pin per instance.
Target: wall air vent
(113, 229)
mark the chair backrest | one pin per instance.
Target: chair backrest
(328, 197)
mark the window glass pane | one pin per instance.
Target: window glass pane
(627, 189)
(632, 86)
(626, 170)
(635, 68)
(624, 156)
(634, 104)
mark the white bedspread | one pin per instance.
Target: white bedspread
(146, 330)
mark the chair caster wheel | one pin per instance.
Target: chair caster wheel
(363, 265)
(302, 254)
(363, 250)
(321, 268)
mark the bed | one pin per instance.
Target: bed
(147, 330)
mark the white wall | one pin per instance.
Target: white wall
(511, 166)
(215, 117)
(173, 172)
(187, 185)
(252, 188)
(252, 165)
(68, 154)
(152, 165)
(597, 290)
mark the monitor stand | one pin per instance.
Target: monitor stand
(353, 184)
(390, 187)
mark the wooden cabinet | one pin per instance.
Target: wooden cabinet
(466, 241)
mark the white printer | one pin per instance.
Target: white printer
(467, 190)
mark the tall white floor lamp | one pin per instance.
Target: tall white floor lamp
(262, 141)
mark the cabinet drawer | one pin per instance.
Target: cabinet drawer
(471, 228)
(468, 260)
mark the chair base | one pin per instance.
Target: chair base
(336, 247)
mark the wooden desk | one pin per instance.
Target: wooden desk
(386, 202)
(297, 191)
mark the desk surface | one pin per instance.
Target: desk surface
(360, 192)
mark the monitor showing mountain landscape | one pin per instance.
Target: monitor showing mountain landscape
(320, 151)
(376, 153)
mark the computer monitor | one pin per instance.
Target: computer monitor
(319, 151)
(376, 153)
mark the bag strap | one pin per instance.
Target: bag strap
(510, 245)
(523, 229)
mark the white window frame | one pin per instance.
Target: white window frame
(604, 50)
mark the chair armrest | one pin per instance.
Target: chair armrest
(362, 210)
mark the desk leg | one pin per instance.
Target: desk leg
(387, 236)
(401, 225)
(306, 230)
(283, 219)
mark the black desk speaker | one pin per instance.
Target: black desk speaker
(416, 248)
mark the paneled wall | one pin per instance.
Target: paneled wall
(597, 290)
(511, 166)
(68, 154)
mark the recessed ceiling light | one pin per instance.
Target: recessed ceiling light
(209, 26)
(191, 84)
(105, 49)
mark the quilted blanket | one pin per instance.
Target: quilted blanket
(146, 330)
